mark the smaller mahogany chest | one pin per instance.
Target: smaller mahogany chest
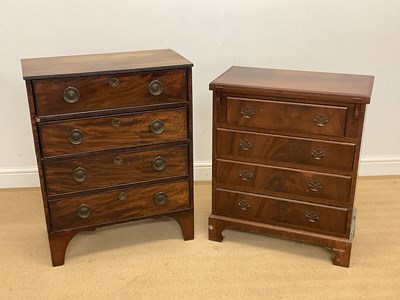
(113, 139)
(286, 148)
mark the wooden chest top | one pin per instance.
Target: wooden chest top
(95, 64)
(286, 83)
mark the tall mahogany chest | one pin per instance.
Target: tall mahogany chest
(286, 148)
(113, 139)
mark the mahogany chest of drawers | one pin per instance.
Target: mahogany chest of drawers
(286, 148)
(113, 139)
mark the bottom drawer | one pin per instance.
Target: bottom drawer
(106, 207)
(294, 214)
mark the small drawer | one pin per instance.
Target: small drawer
(283, 182)
(278, 150)
(287, 116)
(84, 174)
(94, 93)
(58, 138)
(103, 208)
(257, 208)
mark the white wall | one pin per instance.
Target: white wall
(359, 36)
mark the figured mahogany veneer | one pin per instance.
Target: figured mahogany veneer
(286, 148)
(113, 139)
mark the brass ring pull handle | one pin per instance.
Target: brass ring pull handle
(312, 216)
(321, 120)
(246, 144)
(315, 186)
(122, 196)
(247, 112)
(318, 154)
(83, 211)
(71, 94)
(113, 82)
(115, 122)
(76, 137)
(156, 88)
(159, 163)
(79, 174)
(160, 198)
(244, 204)
(246, 175)
(157, 127)
(118, 160)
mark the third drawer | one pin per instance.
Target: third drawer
(294, 183)
(82, 174)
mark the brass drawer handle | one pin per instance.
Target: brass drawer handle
(246, 144)
(312, 216)
(118, 160)
(113, 82)
(160, 198)
(122, 196)
(76, 137)
(157, 127)
(83, 211)
(71, 94)
(247, 112)
(318, 154)
(246, 175)
(155, 88)
(321, 120)
(159, 163)
(115, 122)
(315, 186)
(79, 174)
(244, 204)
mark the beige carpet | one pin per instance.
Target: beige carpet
(149, 260)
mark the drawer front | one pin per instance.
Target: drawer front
(282, 182)
(119, 205)
(112, 132)
(287, 116)
(311, 217)
(109, 170)
(93, 93)
(275, 149)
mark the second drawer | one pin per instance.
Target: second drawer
(112, 132)
(278, 150)
(109, 170)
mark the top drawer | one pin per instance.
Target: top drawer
(92, 93)
(287, 116)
